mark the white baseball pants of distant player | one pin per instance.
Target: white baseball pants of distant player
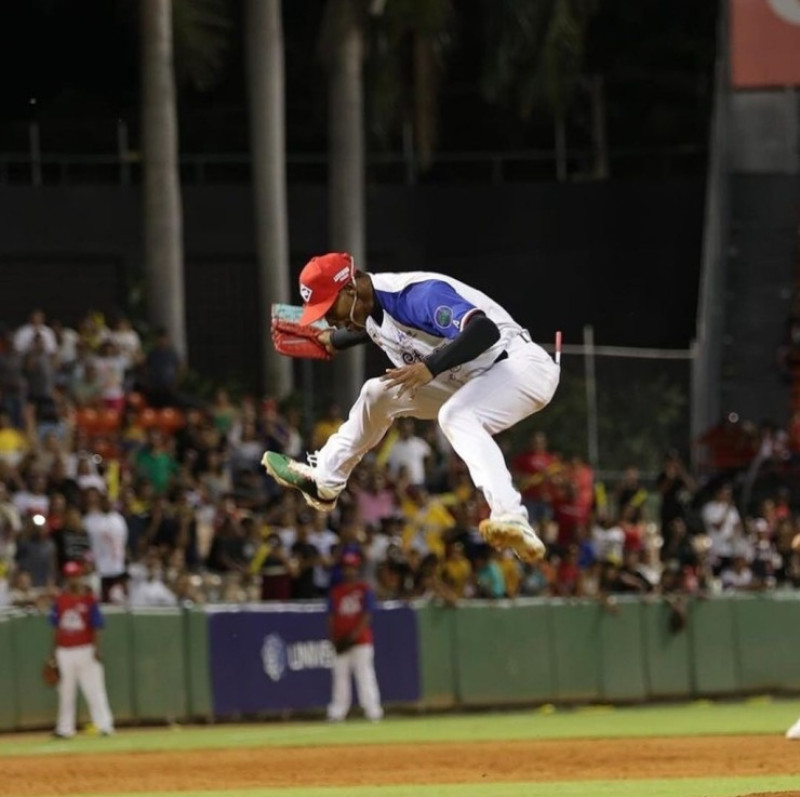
(469, 415)
(79, 668)
(358, 663)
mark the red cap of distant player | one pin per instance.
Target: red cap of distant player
(351, 559)
(73, 569)
(320, 282)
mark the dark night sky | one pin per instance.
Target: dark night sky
(79, 58)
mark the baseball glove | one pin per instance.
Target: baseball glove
(50, 672)
(296, 340)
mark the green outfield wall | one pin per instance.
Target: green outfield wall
(478, 654)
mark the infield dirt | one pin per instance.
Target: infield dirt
(364, 765)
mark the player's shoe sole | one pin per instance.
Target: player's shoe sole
(290, 473)
(794, 731)
(508, 531)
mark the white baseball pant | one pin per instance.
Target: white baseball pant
(358, 662)
(469, 415)
(79, 667)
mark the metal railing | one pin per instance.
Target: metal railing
(36, 168)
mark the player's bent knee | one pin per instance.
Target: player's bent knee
(374, 391)
(451, 417)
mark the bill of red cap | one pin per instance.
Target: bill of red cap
(73, 569)
(320, 282)
(351, 559)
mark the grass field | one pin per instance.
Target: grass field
(763, 718)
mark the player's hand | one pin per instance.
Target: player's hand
(408, 377)
(324, 338)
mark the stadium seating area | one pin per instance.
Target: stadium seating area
(163, 499)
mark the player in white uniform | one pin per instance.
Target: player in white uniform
(460, 359)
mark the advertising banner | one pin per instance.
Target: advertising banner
(278, 657)
(765, 43)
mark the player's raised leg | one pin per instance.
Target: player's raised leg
(369, 419)
(510, 391)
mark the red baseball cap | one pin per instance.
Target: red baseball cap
(73, 569)
(320, 282)
(351, 559)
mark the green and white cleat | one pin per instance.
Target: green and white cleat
(514, 532)
(289, 472)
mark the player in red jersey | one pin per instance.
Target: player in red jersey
(76, 621)
(350, 607)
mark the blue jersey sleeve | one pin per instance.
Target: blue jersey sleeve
(54, 615)
(370, 604)
(432, 306)
(95, 617)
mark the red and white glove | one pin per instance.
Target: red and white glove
(296, 340)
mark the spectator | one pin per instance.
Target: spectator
(39, 369)
(724, 527)
(532, 469)
(127, 342)
(305, 557)
(330, 421)
(86, 386)
(375, 499)
(325, 541)
(675, 486)
(111, 367)
(34, 500)
(455, 570)
(36, 328)
(227, 547)
(155, 461)
(409, 453)
(13, 387)
(223, 413)
(488, 576)
(737, 575)
(108, 536)
(630, 492)
(36, 552)
(273, 562)
(13, 443)
(163, 370)
(147, 587)
(72, 540)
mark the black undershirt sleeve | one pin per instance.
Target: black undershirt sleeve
(478, 335)
(345, 339)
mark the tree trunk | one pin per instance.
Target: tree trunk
(268, 147)
(163, 222)
(344, 49)
(560, 129)
(599, 139)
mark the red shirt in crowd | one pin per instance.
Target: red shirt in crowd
(531, 467)
(76, 617)
(347, 604)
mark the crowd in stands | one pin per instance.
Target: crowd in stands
(163, 501)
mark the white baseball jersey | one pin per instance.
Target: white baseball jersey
(423, 311)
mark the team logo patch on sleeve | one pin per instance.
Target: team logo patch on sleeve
(443, 316)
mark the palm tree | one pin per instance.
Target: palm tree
(163, 219)
(199, 35)
(342, 50)
(406, 64)
(534, 58)
(267, 143)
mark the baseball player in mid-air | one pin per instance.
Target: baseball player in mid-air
(459, 358)
(76, 620)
